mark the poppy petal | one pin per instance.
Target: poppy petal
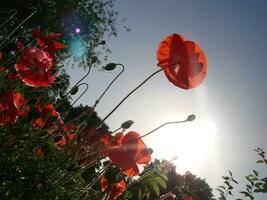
(136, 148)
(104, 183)
(124, 161)
(59, 45)
(184, 62)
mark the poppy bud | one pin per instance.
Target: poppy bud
(150, 151)
(1, 55)
(191, 118)
(103, 42)
(127, 124)
(110, 66)
(94, 59)
(74, 90)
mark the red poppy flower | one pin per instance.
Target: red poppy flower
(60, 141)
(12, 106)
(116, 189)
(48, 43)
(127, 151)
(34, 68)
(184, 62)
(70, 130)
(47, 113)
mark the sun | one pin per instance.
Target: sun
(193, 143)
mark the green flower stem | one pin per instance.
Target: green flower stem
(82, 169)
(101, 172)
(129, 94)
(90, 112)
(13, 15)
(87, 86)
(15, 29)
(150, 132)
(98, 100)
(87, 74)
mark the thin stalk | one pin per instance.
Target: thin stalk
(129, 94)
(115, 130)
(18, 27)
(13, 15)
(98, 176)
(82, 169)
(161, 127)
(87, 74)
(82, 93)
(98, 100)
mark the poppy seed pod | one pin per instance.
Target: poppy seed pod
(191, 118)
(110, 66)
(127, 124)
(150, 151)
(74, 90)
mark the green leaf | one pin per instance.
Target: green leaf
(154, 186)
(161, 182)
(163, 176)
(139, 193)
(260, 161)
(220, 190)
(225, 177)
(235, 181)
(249, 186)
(222, 187)
(255, 172)
(147, 195)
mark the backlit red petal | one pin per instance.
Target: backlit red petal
(104, 183)
(124, 161)
(135, 147)
(59, 45)
(184, 62)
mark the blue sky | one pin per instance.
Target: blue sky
(230, 105)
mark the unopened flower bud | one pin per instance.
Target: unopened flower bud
(150, 151)
(191, 118)
(110, 66)
(74, 90)
(127, 124)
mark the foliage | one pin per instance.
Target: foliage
(163, 179)
(95, 20)
(51, 149)
(255, 183)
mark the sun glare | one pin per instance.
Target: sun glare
(194, 144)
